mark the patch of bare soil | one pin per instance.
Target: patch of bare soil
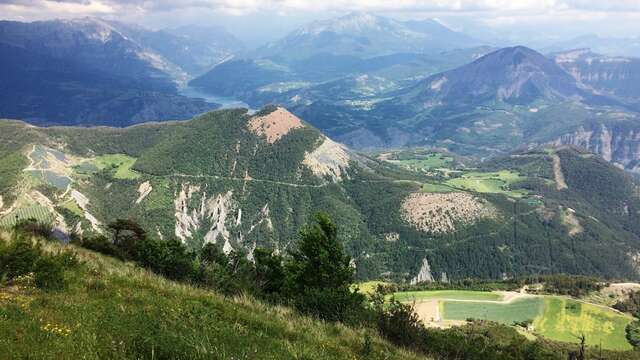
(571, 222)
(275, 125)
(428, 311)
(441, 213)
(561, 184)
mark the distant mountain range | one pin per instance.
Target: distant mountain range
(610, 46)
(365, 35)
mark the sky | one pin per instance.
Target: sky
(256, 21)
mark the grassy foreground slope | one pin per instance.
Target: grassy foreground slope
(115, 310)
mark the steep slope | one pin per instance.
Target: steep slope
(112, 309)
(193, 49)
(516, 75)
(242, 182)
(86, 72)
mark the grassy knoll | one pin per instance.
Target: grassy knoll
(518, 310)
(121, 164)
(565, 319)
(491, 182)
(114, 310)
(446, 294)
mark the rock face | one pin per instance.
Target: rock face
(618, 143)
(424, 275)
(330, 159)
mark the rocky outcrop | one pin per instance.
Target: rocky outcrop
(144, 190)
(424, 275)
(330, 159)
(619, 143)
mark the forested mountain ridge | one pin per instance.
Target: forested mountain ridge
(244, 181)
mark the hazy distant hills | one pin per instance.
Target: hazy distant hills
(89, 71)
(610, 46)
(613, 75)
(366, 35)
(355, 44)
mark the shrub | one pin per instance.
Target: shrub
(400, 324)
(35, 228)
(49, 273)
(19, 258)
(633, 333)
(102, 245)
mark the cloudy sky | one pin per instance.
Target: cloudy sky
(260, 20)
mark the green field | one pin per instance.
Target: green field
(446, 294)
(565, 319)
(518, 310)
(121, 164)
(553, 317)
(436, 188)
(492, 182)
(40, 213)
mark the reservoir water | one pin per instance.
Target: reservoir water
(227, 103)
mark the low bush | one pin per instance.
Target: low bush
(25, 257)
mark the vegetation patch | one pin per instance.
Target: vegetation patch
(119, 164)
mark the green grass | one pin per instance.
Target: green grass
(39, 213)
(518, 310)
(121, 164)
(565, 319)
(446, 294)
(492, 182)
(436, 188)
(73, 207)
(113, 310)
(553, 317)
